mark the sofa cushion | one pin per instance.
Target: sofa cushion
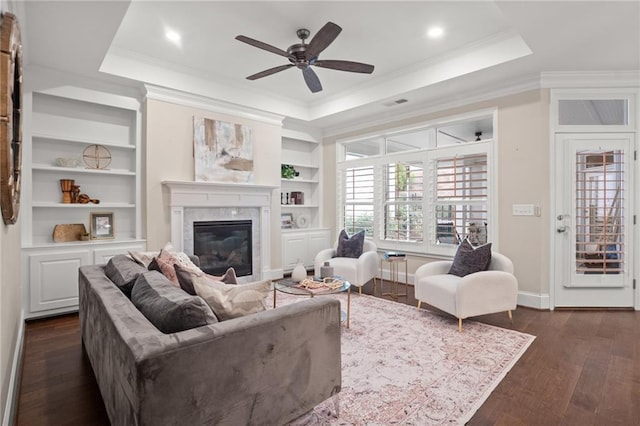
(168, 308)
(186, 283)
(123, 272)
(232, 301)
(350, 246)
(469, 259)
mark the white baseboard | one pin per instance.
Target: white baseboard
(533, 300)
(10, 408)
(273, 274)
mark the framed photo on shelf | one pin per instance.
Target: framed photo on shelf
(101, 226)
(286, 220)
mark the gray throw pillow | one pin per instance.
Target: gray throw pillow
(123, 271)
(469, 259)
(350, 246)
(168, 307)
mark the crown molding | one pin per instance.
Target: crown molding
(590, 79)
(214, 105)
(523, 85)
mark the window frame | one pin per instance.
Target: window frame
(426, 157)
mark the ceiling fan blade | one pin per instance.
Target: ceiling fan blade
(269, 72)
(263, 46)
(322, 39)
(312, 80)
(345, 66)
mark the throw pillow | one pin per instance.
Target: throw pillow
(469, 259)
(186, 283)
(143, 258)
(178, 257)
(232, 301)
(165, 267)
(168, 308)
(123, 272)
(350, 246)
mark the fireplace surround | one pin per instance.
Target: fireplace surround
(191, 202)
(221, 244)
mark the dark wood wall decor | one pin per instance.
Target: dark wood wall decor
(10, 118)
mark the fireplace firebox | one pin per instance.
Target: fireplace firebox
(222, 244)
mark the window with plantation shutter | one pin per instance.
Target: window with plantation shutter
(459, 199)
(411, 193)
(403, 201)
(359, 199)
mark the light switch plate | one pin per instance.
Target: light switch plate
(523, 210)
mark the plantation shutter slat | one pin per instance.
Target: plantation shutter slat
(460, 199)
(404, 192)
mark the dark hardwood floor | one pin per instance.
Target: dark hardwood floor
(582, 369)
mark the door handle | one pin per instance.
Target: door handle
(561, 229)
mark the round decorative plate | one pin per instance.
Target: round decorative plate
(302, 221)
(10, 117)
(96, 157)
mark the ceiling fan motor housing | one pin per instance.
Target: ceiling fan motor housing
(299, 52)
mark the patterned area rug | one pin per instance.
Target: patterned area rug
(401, 365)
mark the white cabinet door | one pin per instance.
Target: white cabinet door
(303, 246)
(318, 240)
(294, 247)
(54, 279)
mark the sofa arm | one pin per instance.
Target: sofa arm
(432, 268)
(486, 292)
(266, 368)
(321, 257)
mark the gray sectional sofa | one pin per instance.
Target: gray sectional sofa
(266, 368)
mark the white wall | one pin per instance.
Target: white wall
(10, 299)
(168, 155)
(523, 176)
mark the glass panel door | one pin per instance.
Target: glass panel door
(593, 221)
(600, 213)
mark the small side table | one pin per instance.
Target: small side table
(393, 262)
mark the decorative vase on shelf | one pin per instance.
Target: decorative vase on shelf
(299, 273)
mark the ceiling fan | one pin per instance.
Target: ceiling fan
(303, 56)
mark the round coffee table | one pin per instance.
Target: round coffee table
(290, 288)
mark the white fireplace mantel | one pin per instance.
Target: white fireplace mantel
(207, 194)
(221, 195)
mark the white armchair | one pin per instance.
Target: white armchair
(357, 271)
(480, 293)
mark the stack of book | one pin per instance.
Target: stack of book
(393, 255)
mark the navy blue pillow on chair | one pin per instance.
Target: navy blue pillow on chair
(350, 246)
(469, 259)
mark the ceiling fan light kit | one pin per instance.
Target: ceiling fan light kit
(303, 56)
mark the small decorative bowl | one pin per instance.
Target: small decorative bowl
(67, 162)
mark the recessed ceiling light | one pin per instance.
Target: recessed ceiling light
(173, 36)
(435, 32)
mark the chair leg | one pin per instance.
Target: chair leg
(510, 316)
(419, 303)
(459, 325)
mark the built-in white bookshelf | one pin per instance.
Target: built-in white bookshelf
(307, 236)
(61, 123)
